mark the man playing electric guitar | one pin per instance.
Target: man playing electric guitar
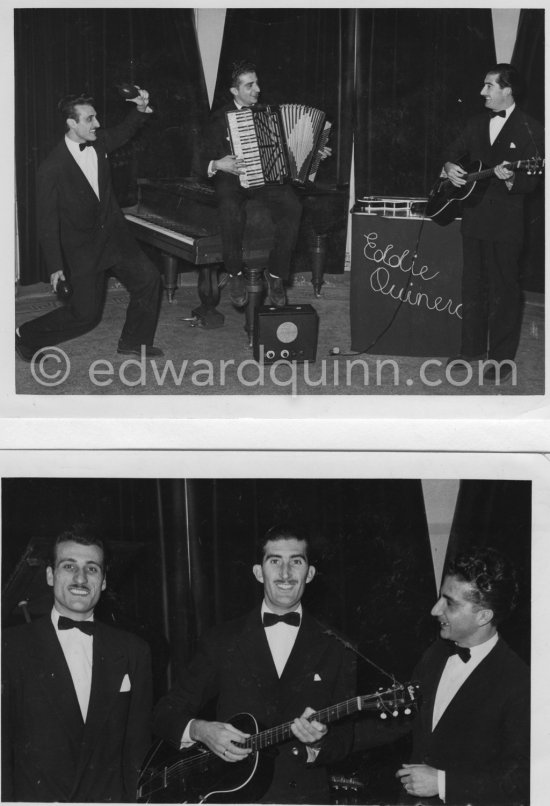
(492, 222)
(278, 664)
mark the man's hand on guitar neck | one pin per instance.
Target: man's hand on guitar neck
(503, 172)
(222, 738)
(308, 732)
(455, 173)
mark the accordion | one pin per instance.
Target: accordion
(278, 143)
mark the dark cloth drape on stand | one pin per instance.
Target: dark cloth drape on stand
(497, 514)
(65, 51)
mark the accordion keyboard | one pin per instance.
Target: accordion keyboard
(277, 144)
(245, 147)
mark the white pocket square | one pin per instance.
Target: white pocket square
(125, 685)
(316, 678)
(512, 145)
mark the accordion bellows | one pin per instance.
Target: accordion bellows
(278, 143)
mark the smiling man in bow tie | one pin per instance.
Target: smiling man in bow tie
(275, 663)
(471, 736)
(493, 222)
(76, 692)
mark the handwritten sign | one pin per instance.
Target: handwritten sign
(405, 286)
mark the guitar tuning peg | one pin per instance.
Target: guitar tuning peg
(407, 711)
(395, 713)
(383, 715)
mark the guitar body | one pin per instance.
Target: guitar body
(444, 200)
(195, 775)
(443, 204)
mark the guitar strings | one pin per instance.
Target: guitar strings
(276, 733)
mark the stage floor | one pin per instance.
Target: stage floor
(220, 362)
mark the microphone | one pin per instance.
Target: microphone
(526, 124)
(411, 688)
(351, 647)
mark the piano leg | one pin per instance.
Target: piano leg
(170, 274)
(255, 288)
(209, 295)
(318, 254)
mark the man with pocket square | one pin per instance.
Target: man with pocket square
(507, 140)
(279, 664)
(76, 692)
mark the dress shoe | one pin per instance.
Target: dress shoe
(275, 290)
(497, 374)
(23, 350)
(237, 290)
(140, 349)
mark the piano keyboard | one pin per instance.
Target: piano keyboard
(171, 233)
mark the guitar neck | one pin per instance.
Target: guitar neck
(281, 733)
(473, 177)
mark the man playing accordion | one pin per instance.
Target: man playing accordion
(225, 170)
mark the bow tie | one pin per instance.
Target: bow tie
(462, 651)
(65, 623)
(289, 618)
(501, 114)
(82, 146)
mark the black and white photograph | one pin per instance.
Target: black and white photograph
(403, 676)
(278, 203)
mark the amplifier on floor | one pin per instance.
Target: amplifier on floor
(288, 334)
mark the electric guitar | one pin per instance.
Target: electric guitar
(444, 197)
(194, 775)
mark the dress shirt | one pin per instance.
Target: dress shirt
(281, 638)
(455, 673)
(78, 651)
(496, 123)
(87, 162)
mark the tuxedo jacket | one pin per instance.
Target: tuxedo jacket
(48, 753)
(482, 737)
(234, 665)
(496, 213)
(77, 231)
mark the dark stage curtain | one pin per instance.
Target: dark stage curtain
(63, 51)
(303, 56)
(497, 514)
(418, 77)
(529, 59)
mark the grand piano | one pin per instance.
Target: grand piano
(178, 217)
